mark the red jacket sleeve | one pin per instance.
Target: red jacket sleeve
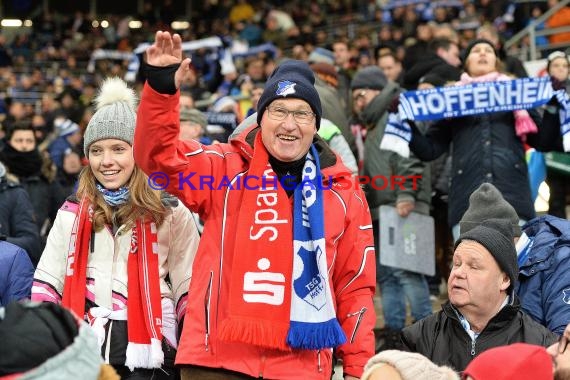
(179, 167)
(354, 280)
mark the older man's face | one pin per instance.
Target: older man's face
(288, 138)
(476, 282)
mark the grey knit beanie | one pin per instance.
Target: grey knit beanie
(487, 202)
(410, 365)
(193, 115)
(371, 77)
(496, 236)
(115, 116)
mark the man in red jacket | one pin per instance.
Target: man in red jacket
(285, 272)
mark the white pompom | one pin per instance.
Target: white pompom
(115, 90)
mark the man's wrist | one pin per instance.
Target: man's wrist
(161, 78)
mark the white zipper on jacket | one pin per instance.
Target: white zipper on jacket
(319, 366)
(207, 302)
(360, 314)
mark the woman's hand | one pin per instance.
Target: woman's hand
(167, 50)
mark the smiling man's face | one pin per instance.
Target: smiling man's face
(288, 140)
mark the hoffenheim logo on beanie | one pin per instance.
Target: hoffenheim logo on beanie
(285, 88)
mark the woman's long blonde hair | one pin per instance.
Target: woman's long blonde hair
(144, 202)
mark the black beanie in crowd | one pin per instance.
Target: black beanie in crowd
(487, 202)
(496, 236)
(291, 79)
(475, 42)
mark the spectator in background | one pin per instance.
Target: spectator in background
(69, 173)
(440, 169)
(16, 273)
(558, 67)
(372, 95)
(476, 139)
(5, 54)
(392, 67)
(41, 130)
(535, 12)
(345, 69)
(186, 100)
(17, 224)
(512, 65)
(16, 113)
(193, 125)
(420, 46)
(35, 173)
(70, 108)
(241, 11)
(559, 19)
(255, 94)
(255, 69)
(69, 137)
(326, 84)
(441, 59)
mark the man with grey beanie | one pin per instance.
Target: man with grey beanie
(487, 202)
(543, 256)
(482, 311)
(372, 95)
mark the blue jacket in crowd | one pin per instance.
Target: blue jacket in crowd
(16, 273)
(544, 277)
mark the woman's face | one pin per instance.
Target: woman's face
(559, 69)
(481, 60)
(112, 162)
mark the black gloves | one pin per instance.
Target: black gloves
(161, 79)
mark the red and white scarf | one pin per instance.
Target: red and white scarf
(280, 295)
(144, 311)
(259, 309)
(523, 122)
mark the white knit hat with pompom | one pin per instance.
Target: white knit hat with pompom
(410, 365)
(115, 115)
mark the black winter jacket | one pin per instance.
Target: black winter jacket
(16, 219)
(485, 149)
(441, 338)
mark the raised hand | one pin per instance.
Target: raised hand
(167, 50)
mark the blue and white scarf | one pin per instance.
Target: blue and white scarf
(473, 99)
(313, 318)
(114, 197)
(279, 293)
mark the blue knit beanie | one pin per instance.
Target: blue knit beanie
(291, 79)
